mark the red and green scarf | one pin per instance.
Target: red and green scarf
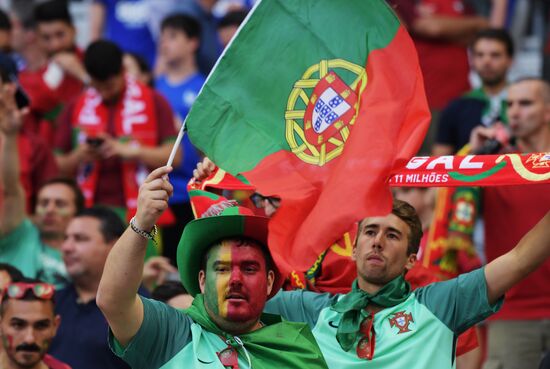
(135, 121)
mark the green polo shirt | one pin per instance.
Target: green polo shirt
(170, 339)
(420, 332)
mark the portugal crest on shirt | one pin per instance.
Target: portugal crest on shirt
(401, 320)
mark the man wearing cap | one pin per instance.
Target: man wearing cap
(225, 264)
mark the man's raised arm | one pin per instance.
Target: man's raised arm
(12, 211)
(117, 294)
(507, 270)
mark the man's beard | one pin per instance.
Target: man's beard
(374, 278)
(27, 348)
(493, 81)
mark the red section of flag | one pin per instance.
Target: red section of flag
(321, 203)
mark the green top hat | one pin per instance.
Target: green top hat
(200, 234)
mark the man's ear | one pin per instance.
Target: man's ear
(547, 114)
(202, 280)
(411, 260)
(270, 281)
(196, 43)
(354, 250)
(56, 322)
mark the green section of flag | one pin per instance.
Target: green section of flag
(242, 179)
(210, 195)
(239, 117)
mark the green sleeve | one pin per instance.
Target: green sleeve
(459, 302)
(164, 332)
(18, 234)
(21, 247)
(299, 306)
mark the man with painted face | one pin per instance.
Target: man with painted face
(27, 325)
(224, 263)
(381, 323)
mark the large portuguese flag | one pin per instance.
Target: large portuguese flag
(315, 101)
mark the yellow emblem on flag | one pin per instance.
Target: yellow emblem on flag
(321, 109)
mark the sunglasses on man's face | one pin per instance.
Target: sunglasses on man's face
(17, 290)
(260, 200)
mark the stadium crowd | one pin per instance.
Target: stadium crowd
(87, 282)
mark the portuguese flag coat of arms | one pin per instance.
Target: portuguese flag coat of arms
(317, 102)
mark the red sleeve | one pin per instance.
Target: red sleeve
(63, 134)
(165, 119)
(467, 341)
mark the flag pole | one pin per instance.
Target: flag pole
(176, 145)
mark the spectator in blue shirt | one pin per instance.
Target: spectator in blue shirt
(124, 22)
(180, 84)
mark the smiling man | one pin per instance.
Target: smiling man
(224, 263)
(381, 323)
(27, 325)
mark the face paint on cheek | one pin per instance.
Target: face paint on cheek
(45, 345)
(216, 283)
(64, 212)
(222, 281)
(7, 341)
(253, 285)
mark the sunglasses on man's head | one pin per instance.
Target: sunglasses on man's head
(17, 290)
(259, 200)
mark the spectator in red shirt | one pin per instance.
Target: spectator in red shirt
(113, 132)
(61, 76)
(518, 334)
